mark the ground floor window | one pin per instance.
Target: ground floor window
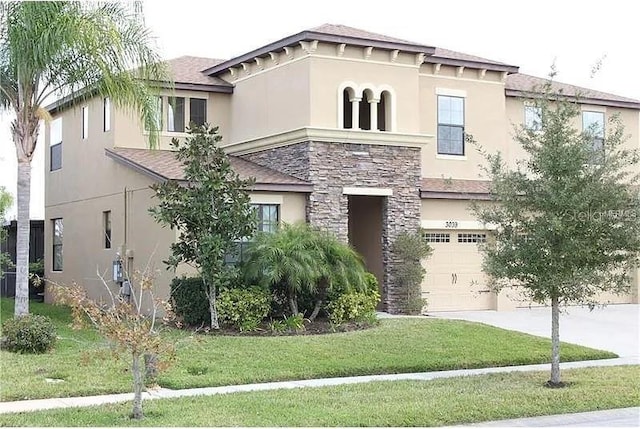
(57, 244)
(268, 216)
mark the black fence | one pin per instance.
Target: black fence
(36, 253)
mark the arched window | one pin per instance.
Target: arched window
(365, 110)
(384, 111)
(347, 111)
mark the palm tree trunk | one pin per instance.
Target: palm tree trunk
(138, 385)
(316, 310)
(22, 245)
(555, 342)
(293, 303)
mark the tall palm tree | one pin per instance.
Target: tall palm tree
(80, 50)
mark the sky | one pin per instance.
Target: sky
(574, 35)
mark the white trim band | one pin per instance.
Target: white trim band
(453, 224)
(266, 199)
(451, 92)
(373, 192)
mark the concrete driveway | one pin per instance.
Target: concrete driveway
(613, 328)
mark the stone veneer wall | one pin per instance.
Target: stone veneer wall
(332, 166)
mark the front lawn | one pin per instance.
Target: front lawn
(450, 401)
(396, 346)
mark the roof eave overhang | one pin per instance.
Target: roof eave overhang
(68, 100)
(472, 64)
(321, 37)
(454, 195)
(268, 187)
(582, 100)
(135, 166)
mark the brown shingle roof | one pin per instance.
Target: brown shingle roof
(163, 165)
(520, 84)
(455, 188)
(188, 69)
(346, 31)
(453, 55)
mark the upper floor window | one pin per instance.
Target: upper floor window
(450, 125)
(85, 122)
(175, 114)
(593, 126)
(197, 111)
(58, 230)
(55, 144)
(106, 110)
(155, 122)
(533, 118)
(366, 108)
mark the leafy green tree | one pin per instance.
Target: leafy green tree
(300, 258)
(566, 215)
(77, 49)
(5, 202)
(212, 211)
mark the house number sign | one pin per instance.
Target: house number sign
(451, 224)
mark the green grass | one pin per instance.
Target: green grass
(404, 403)
(396, 346)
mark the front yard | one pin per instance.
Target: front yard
(407, 403)
(82, 360)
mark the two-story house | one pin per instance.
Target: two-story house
(356, 132)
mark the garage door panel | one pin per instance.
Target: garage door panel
(454, 279)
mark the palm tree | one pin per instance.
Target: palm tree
(287, 258)
(301, 258)
(80, 50)
(341, 266)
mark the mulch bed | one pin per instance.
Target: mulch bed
(318, 327)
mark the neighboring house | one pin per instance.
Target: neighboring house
(356, 132)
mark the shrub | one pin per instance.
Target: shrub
(243, 309)
(355, 306)
(189, 300)
(409, 250)
(28, 334)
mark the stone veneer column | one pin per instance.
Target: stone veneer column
(332, 166)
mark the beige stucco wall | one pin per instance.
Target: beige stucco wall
(329, 72)
(128, 130)
(515, 118)
(270, 102)
(484, 118)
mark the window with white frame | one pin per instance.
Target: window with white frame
(533, 117)
(472, 238)
(154, 121)
(175, 114)
(55, 144)
(268, 220)
(450, 125)
(197, 111)
(593, 127)
(85, 122)
(58, 230)
(106, 110)
(436, 237)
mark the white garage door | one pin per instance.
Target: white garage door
(454, 279)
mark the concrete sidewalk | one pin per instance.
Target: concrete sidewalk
(86, 401)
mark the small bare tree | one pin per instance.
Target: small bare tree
(125, 323)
